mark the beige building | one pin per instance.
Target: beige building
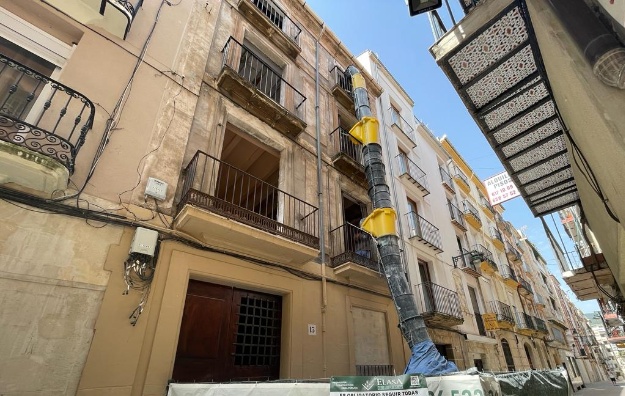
(218, 102)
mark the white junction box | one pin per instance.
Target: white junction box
(156, 189)
(144, 241)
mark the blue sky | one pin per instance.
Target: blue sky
(402, 43)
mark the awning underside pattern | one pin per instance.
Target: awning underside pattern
(498, 74)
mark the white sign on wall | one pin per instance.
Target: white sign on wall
(500, 188)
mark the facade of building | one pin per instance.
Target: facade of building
(223, 128)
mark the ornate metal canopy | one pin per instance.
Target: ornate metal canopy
(498, 73)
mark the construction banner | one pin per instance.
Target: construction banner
(400, 385)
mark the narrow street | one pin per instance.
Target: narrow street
(603, 388)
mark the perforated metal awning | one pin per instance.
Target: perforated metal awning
(497, 71)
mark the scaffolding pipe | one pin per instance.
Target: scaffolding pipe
(425, 357)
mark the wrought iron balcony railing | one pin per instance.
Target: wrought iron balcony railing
(263, 77)
(456, 215)
(468, 260)
(468, 5)
(495, 234)
(342, 142)
(503, 311)
(525, 321)
(349, 243)
(279, 18)
(540, 325)
(41, 114)
(512, 253)
(436, 299)
(486, 254)
(404, 126)
(424, 230)
(487, 205)
(340, 78)
(412, 170)
(221, 188)
(458, 173)
(525, 285)
(508, 273)
(470, 209)
(446, 179)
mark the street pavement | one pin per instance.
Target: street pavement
(602, 389)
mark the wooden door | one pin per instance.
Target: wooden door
(228, 334)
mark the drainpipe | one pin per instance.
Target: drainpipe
(602, 50)
(324, 284)
(380, 223)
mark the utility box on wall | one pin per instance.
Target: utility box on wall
(144, 241)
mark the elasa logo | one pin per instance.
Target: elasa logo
(368, 385)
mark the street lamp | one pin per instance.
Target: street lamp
(416, 7)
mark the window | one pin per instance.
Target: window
(18, 89)
(507, 353)
(553, 303)
(395, 117)
(259, 70)
(403, 161)
(528, 353)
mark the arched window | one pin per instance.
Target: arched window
(528, 353)
(507, 353)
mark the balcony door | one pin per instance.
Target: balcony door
(427, 287)
(247, 178)
(355, 240)
(261, 71)
(476, 311)
(413, 218)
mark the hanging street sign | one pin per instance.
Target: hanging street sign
(500, 188)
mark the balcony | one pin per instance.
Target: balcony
(487, 208)
(424, 231)
(498, 317)
(354, 254)
(541, 326)
(509, 277)
(116, 16)
(457, 217)
(556, 318)
(612, 319)
(616, 336)
(469, 262)
(512, 253)
(255, 86)
(43, 125)
(462, 181)
(438, 305)
(524, 287)
(274, 23)
(488, 265)
(525, 324)
(342, 87)
(471, 215)
(411, 172)
(347, 156)
(446, 180)
(402, 128)
(497, 239)
(539, 301)
(232, 210)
